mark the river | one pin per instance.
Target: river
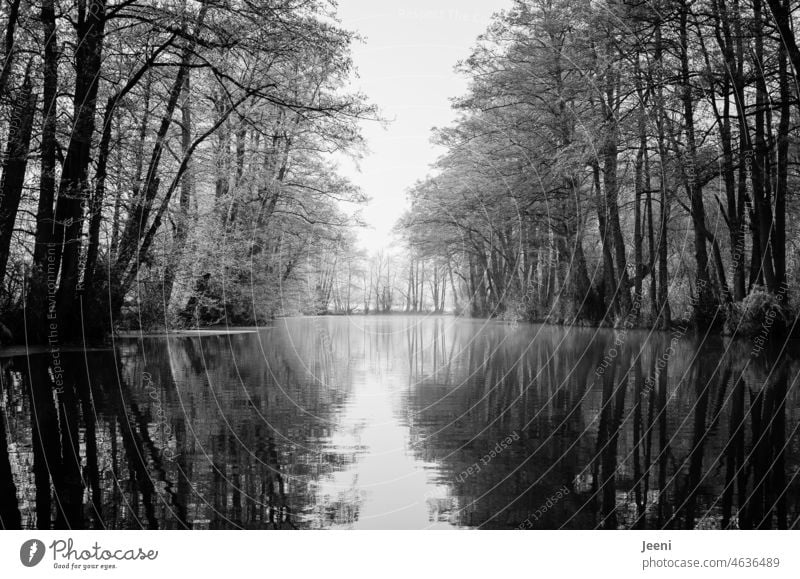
(395, 422)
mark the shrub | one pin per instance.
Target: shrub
(759, 313)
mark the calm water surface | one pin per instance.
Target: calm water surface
(402, 422)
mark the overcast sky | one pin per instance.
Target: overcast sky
(405, 66)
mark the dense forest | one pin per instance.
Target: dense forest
(612, 163)
(623, 163)
(168, 161)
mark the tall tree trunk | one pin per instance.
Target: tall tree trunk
(734, 81)
(47, 179)
(16, 161)
(762, 202)
(98, 195)
(651, 240)
(782, 173)
(610, 161)
(609, 279)
(638, 234)
(73, 188)
(130, 251)
(781, 12)
(739, 272)
(664, 314)
(181, 231)
(140, 212)
(453, 287)
(103, 151)
(703, 308)
(8, 56)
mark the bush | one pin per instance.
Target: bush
(516, 310)
(143, 309)
(759, 313)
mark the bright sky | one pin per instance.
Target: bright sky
(405, 67)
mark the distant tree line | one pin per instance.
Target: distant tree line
(345, 278)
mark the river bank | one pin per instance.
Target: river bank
(758, 334)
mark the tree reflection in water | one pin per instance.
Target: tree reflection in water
(292, 427)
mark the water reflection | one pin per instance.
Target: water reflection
(395, 422)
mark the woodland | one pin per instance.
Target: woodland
(177, 163)
(623, 164)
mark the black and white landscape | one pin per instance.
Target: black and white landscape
(305, 264)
